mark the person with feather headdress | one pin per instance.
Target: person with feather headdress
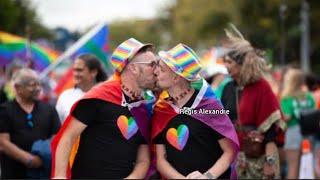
(259, 119)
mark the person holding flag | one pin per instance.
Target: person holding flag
(112, 120)
(193, 139)
(87, 72)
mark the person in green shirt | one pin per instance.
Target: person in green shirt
(294, 99)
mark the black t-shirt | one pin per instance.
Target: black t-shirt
(107, 149)
(228, 99)
(13, 120)
(3, 96)
(190, 144)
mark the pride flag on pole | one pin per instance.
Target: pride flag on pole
(15, 47)
(95, 42)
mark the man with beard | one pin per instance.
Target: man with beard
(112, 120)
(24, 121)
(189, 143)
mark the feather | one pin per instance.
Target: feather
(238, 42)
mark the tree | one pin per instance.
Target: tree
(16, 16)
(200, 24)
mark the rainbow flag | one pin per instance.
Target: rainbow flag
(212, 59)
(65, 82)
(15, 47)
(97, 44)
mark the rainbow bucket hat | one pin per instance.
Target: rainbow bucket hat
(125, 52)
(183, 61)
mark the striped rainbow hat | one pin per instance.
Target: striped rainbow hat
(124, 52)
(183, 61)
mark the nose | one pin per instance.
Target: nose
(156, 71)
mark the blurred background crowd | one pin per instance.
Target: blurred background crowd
(48, 37)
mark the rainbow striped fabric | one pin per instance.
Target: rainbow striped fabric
(183, 61)
(212, 62)
(98, 45)
(15, 47)
(124, 52)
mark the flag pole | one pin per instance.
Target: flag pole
(84, 39)
(28, 47)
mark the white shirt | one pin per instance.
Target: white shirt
(65, 101)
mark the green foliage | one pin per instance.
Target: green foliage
(147, 31)
(17, 15)
(198, 23)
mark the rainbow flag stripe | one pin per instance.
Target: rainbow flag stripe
(99, 46)
(15, 47)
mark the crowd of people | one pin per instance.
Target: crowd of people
(133, 125)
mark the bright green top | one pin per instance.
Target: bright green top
(291, 106)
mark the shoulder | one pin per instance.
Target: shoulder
(8, 105)
(45, 106)
(230, 86)
(309, 96)
(262, 83)
(69, 92)
(4, 106)
(230, 83)
(262, 86)
(286, 99)
(65, 94)
(94, 104)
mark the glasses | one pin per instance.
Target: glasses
(29, 120)
(152, 64)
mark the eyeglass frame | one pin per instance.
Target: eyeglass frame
(153, 64)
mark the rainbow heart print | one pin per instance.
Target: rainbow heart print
(178, 137)
(127, 126)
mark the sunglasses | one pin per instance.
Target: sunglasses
(29, 120)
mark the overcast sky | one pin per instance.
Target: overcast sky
(80, 14)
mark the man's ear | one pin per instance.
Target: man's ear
(176, 78)
(134, 69)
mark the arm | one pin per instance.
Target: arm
(17, 153)
(142, 163)
(164, 166)
(286, 109)
(72, 132)
(223, 163)
(271, 151)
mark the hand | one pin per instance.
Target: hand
(269, 170)
(196, 175)
(36, 162)
(286, 118)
